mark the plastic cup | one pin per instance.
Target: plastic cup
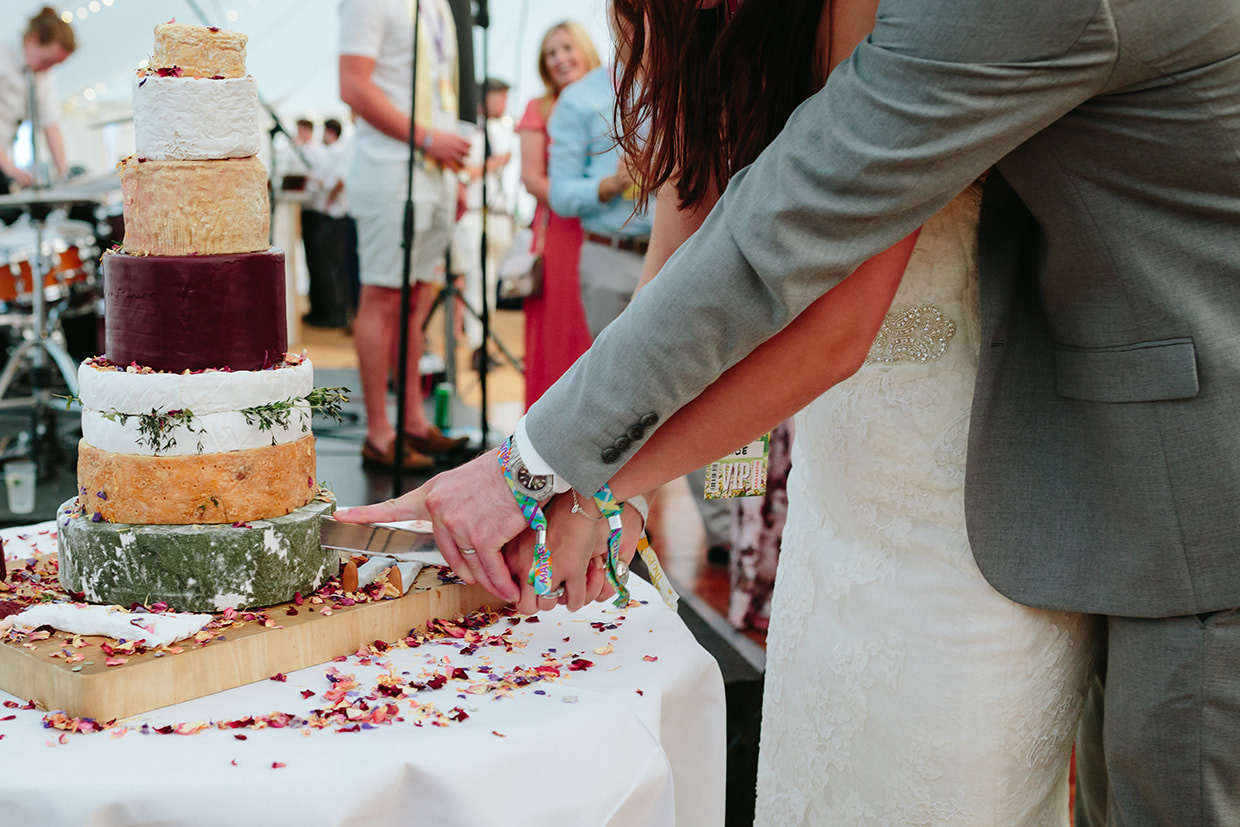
(19, 481)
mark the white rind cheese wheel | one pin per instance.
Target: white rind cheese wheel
(211, 433)
(203, 393)
(195, 119)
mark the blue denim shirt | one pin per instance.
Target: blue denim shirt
(582, 153)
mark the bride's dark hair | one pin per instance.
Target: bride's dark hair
(702, 92)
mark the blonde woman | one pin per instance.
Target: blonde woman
(555, 321)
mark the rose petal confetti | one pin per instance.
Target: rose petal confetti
(344, 703)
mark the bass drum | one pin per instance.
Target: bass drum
(72, 256)
(71, 290)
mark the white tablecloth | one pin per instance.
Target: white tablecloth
(636, 739)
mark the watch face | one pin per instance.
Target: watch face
(534, 483)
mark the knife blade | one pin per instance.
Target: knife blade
(374, 538)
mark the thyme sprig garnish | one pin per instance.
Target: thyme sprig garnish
(156, 429)
(325, 401)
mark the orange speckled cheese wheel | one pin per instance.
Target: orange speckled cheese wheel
(199, 51)
(231, 487)
(180, 208)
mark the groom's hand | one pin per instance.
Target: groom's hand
(472, 513)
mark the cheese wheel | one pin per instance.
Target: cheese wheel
(237, 486)
(195, 568)
(199, 51)
(193, 119)
(177, 208)
(115, 432)
(179, 313)
(202, 393)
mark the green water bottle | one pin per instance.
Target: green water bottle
(443, 405)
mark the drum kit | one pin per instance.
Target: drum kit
(49, 283)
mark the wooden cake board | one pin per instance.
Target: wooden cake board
(247, 652)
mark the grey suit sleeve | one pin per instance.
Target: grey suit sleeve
(940, 92)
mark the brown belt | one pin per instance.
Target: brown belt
(620, 242)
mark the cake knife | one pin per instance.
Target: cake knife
(378, 539)
(388, 540)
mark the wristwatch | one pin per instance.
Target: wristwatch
(538, 486)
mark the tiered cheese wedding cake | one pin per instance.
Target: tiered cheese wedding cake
(196, 469)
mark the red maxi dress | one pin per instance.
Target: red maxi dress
(555, 322)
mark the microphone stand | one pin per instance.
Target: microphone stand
(406, 291)
(482, 19)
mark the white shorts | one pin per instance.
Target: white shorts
(377, 194)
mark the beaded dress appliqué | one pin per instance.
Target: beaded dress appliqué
(901, 689)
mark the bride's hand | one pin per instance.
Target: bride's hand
(573, 541)
(577, 542)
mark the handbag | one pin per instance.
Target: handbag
(521, 270)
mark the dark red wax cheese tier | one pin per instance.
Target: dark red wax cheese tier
(177, 313)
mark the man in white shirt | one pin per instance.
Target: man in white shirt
(28, 92)
(331, 295)
(376, 80)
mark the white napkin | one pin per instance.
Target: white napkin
(152, 630)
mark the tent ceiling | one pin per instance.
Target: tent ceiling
(291, 51)
(292, 48)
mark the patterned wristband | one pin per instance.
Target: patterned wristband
(540, 572)
(606, 502)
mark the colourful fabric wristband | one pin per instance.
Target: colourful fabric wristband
(612, 510)
(540, 573)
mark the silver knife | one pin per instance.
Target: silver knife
(368, 538)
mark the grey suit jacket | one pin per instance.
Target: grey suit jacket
(1104, 457)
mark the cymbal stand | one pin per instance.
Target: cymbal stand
(40, 340)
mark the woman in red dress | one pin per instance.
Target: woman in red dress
(555, 321)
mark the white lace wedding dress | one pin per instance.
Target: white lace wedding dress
(901, 689)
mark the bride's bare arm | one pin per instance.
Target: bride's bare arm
(672, 226)
(823, 346)
(826, 344)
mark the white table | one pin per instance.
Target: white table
(637, 739)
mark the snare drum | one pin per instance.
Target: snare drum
(71, 252)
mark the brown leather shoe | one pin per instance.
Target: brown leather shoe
(413, 461)
(434, 442)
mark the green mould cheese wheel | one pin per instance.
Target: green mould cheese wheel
(195, 568)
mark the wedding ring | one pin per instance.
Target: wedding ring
(468, 550)
(554, 594)
(622, 572)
